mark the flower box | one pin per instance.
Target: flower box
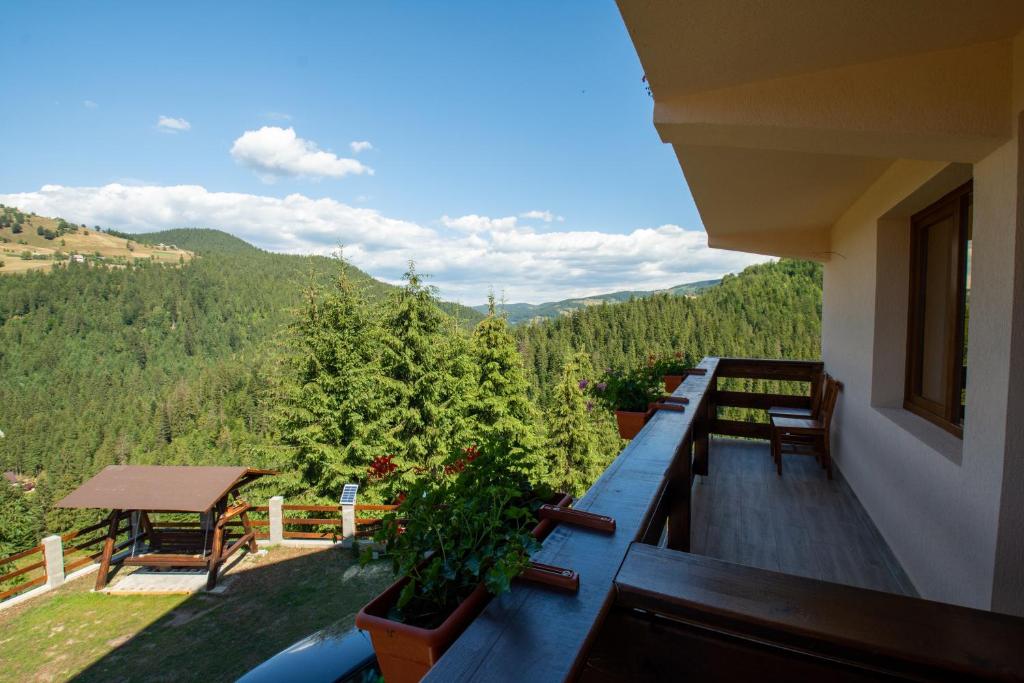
(406, 653)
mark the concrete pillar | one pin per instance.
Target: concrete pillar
(53, 555)
(276, 520)
(348, 517)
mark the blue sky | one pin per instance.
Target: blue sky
(511, 144)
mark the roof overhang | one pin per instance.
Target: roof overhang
(782, 113)
(161, 488)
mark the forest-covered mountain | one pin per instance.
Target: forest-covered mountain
(147, 364)
(248, 357)
(518, 313)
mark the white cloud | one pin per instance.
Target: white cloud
(464, 261)
(274, 151)
(474, 223)
(360, 146)
(278, 116)
(545, 216)
(169, 124)
(89, 104)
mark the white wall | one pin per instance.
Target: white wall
(940, 503)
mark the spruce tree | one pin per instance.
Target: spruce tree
(504, 417)
(334, 413)
(573, 440)
(427, 359)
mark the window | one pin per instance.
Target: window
(940, 282)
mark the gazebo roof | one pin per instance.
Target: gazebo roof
(160, 488)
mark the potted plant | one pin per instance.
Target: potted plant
(461, 535)
(630, 394)
(673, 370)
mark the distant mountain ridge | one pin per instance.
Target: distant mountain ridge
(213, 242)
(518, 313)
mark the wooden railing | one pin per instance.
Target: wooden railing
(649, 610)
(85, 551)
(18, 577)
(364, 525)
(26, 570)
(804, 376)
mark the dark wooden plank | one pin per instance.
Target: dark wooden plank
(534, 634)
(23, 553)
(663, 650)
(71, 566)
(38, 581)
(866, 628)
(749, 430)
(310, 534)
(24, 570)
(786, 370)
(748, 399)
(165, 560)
(108, 549)
(245, 539)
(310, 522)
(81, 532)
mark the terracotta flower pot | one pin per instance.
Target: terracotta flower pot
(406, 653)
(672, 382)
(630, 423)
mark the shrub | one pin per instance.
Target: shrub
(465, 525)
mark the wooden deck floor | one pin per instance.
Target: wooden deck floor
(799, 524)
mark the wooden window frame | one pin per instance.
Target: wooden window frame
(945, 414)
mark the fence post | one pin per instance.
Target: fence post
(53, 555)
(276, 520)
(348, 511)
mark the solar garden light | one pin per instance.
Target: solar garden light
(348, 511)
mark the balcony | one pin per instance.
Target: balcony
(800, 523)
(720, 569)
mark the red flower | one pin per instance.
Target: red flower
(382, 466)
(455, 467)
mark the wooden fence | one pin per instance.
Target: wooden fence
(83, 547)
(18, 579)
(330, 527)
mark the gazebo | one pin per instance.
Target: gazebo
(141, 490)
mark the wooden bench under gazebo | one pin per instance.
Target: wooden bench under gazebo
(212, 492)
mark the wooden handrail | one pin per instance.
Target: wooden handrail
(646, 487)
(648, 612)
(804, 625)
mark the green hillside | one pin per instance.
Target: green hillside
(771, 310)
(518, 313)
(194, 363)
(147, 364)
(219, 243)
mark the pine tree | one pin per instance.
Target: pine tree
(426, 357)
(503, 415)
(573, 441)
(334, 413)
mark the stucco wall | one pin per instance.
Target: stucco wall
(937, 501)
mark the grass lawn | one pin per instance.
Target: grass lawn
(271, 602)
